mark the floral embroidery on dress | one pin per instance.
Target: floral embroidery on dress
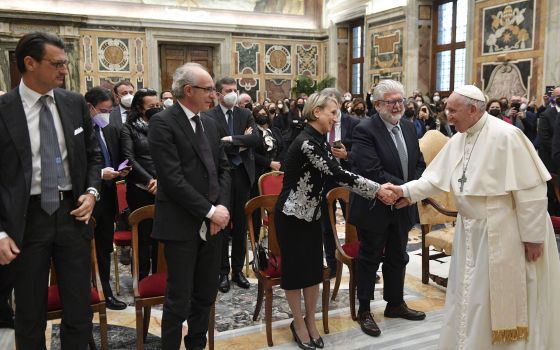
(299, 203)
(315, 159)
(360, 185)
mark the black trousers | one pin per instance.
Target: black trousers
(104, 213)
(389, 245)
(192, 286)
(6, 287)
(61, 238)
(147, 247)
(240, 193)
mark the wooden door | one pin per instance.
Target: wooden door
(172, 56)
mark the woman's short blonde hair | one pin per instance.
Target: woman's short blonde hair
(316, 100)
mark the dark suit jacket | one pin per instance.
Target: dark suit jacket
(84, 157)
(242, 119)
(112, 139)
(182, 196)
(375, 156)
(115, 118)
(347, 125)
(547, 123)
(135, 147)
(262, 158)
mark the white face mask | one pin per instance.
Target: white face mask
(436, 98)
(280, 106)
(230, 99)
(127, 100)
(168, 102)
(101, 119)
(347, 98)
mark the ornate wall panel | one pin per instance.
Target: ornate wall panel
(509, 47)
(385, 52)
(108, 57)
(267, 67)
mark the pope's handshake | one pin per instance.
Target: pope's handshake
(396, 195)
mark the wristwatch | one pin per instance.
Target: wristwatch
(94, 192)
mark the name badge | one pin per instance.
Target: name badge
(78, 131)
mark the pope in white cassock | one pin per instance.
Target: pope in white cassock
(505, 272)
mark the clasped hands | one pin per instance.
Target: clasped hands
(392, 195)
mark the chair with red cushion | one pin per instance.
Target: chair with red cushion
(346, 253)
(273, 275)
(150, 290)
(120, 238)
(54, 304)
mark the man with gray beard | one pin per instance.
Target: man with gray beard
(385, 149)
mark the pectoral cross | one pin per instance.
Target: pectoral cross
(462, 181)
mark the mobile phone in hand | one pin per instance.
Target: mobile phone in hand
(337, 144)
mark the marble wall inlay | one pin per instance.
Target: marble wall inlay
(278, 59)
(307, 59)
(247, 56)
(277, 89)
(113, 55)
(386, 49)
(507, 79)
(251, 86)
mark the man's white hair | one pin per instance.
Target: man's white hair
(184, 75)
(480, 105)
(386, 86)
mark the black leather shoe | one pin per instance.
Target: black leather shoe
(305, 346)
(403, 311)
(240, 280)
(319, 343)
(224, 283)
(114, 304)
(368, 325)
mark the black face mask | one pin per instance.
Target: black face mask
(249, 106)
(359, 111)
(261, 119)
(152, 111)
(409, 113)
(494, 112)
(272, 111)
(300, 106)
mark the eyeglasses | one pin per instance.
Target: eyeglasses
(147, 90)
(394, 102)
(209, 89)
(58, 64)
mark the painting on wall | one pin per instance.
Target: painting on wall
(509, 28)
(507, 79)
(247, 58)
(377, 77)
(386, 49)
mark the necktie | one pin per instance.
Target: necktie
(52, 170)
(208, 160)
(332, 135)
(402, 152)
(230, 121)
(103, 146)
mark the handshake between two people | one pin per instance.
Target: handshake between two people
(392, 195)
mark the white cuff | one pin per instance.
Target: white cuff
(211, 212)
(406, 192)
(3, 235)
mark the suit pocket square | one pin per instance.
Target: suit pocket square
(78, 131)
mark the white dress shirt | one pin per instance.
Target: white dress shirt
(124, 114)
(31, 107)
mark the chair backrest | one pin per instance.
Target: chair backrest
(95, 279)
(121, 196)
(271, 183)
(341, 194)
(267, 202)
(135, 218)
(430, 145)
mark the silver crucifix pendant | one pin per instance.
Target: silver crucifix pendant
(462, 181)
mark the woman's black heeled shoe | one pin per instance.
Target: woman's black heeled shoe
(302, 345)
(319, 343)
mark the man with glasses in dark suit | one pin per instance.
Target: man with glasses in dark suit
(50, 175)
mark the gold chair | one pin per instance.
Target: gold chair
(150, 291)
(346, 253)
(273, 277)
(438, 210)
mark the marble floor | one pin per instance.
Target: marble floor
(236, 330)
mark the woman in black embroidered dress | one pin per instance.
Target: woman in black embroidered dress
(307, 165)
